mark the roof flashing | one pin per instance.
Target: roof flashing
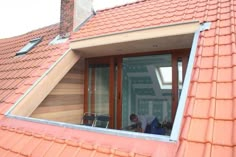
(107, 131)
(205, 26)
(58, 40)
(29, 46)
(184, 94)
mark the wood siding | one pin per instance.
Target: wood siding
(65, 103)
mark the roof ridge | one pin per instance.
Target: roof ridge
(43, 27)
(123, 5)
(29, 32)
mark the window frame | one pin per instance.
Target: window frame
(29, 46)
(111, 61)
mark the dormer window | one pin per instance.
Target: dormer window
(32, 43)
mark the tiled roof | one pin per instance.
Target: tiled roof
(31, 139)
(149, 13)
(209, 120)
(23, 138)
(18, 73)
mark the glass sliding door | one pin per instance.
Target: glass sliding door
(98, 89)
(142, 84)
(151, 85)
(147, 87)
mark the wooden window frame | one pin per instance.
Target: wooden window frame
(105, 60)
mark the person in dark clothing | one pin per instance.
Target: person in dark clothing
(147, 124)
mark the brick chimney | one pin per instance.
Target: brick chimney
(67, 17)
(73, 14)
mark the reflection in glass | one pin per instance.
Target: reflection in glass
(180, 76)
(144, 87)
(98, 91)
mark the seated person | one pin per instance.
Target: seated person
(147, 124)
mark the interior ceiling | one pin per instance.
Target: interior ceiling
(148, 45)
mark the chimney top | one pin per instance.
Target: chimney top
(67, 17)
(74, 13)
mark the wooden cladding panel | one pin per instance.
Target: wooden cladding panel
(65, 103)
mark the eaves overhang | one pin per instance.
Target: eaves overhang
(171, 36)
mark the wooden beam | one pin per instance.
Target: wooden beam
(185, 58)
(111, 91)
(119, 93)
(86, 86)
(174, 86)
(92, 90)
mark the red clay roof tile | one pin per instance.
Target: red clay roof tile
(84, 152)
(218, 151)
(224, 75)
(42, 148)
(56, 150)
(3, 152)
(224, 91)
(225, 61)
(69, 150)
(19, 146)
(224, 110)
(12, 154)
(201, 108)
(208, 51)
(209, 120)
(196, 134)
(204, 90)
(226, 127)
(205, 75)
(30, 146)
(199, 149)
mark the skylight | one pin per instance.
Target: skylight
(164, 76)
(29, 46)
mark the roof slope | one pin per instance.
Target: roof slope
(30, 139)
(18, 73)
(24, 138)
(147, 13)
(209, 120)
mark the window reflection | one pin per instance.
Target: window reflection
(180, 76)
(164, 77)
(145, 92)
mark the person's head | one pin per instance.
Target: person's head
(133, 118)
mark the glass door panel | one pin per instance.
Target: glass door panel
(101, 88)
(180, 76)
(98, 89)
(147, 87)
